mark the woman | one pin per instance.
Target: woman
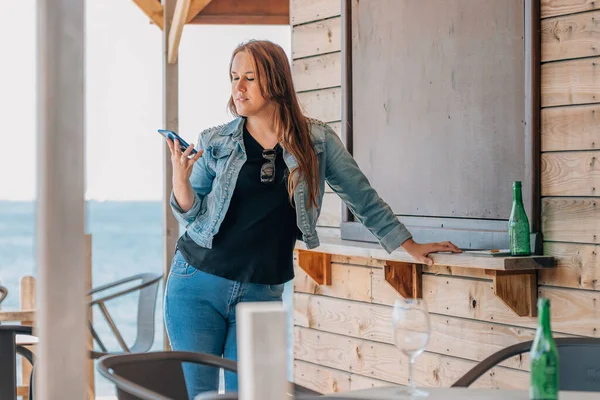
(254, 187)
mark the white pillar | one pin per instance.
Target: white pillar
(170, 121)
(60, 201)
(262, 351)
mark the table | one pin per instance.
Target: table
(26, 340)
(389, 393)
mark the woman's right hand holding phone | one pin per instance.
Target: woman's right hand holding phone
(182, 170)
(181, 161)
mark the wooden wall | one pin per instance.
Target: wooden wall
(342, 332)
(317, 70)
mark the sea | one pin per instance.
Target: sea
(126, 240)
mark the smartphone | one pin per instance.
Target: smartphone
(183, 145)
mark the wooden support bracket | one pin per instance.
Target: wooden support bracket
(405, 278)
(153, 10)
(516, 289)
(182, 7)
(185, 11)
(316, 265)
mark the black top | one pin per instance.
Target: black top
(255, 242)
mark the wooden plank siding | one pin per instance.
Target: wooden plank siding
(343, 335)
(571, 173)
(385, 362)
(571, 82)
(324, 104)
(571, 36)
(552, 8)
(306, 11)
(329, 380)
(316, 38)
(571, 128)
(574, 312)
(317, 71)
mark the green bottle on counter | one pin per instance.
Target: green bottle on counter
(518, 225)
(544, 358)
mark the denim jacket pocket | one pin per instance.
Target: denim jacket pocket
(219, 156)
(217, 152)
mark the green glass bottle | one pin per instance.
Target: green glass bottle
(518, 225)
(544, 358)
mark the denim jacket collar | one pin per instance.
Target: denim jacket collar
(234, 128)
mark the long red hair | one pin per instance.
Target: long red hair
(272, 69)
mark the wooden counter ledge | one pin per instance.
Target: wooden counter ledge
(514, 278)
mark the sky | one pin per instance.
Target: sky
(123, 95)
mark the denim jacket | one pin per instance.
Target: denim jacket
(215, 174)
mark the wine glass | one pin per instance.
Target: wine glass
(410, 322)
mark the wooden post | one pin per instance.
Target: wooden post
(62, 314)
(91, 388)
(262, 351)
(28, 302)
(170, 121)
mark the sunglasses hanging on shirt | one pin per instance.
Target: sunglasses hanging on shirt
(267, 171)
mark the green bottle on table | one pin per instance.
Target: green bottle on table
(518, 225)
(543, 358)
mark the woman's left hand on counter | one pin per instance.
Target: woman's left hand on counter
(420, 251)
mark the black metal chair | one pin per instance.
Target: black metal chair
(8, 359)
(159, 375)
(578, 367)
(148, 287)
(3, 293)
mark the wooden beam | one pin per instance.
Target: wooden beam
(62, 318)
(27, 303)
(240, 19)
(405, 278)
(243, 12)
(21, 315)
(91, 387)
(153, 9)
(176, 29)
(316, 265)
(196, 7)
(170, 121)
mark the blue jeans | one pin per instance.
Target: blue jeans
(199, 312)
